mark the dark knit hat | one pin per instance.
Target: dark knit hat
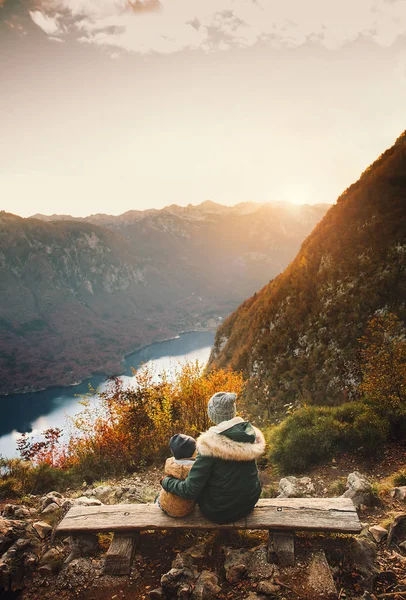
(182, 446)
(221, 407)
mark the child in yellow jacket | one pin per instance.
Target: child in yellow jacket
(183, 448)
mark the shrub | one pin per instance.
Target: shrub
(399, 478)
(130, 426)
(314, 434)
(10, 488)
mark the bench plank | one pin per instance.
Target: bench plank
(284, 514)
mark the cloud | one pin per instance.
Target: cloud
(48, 24)
(167, 26)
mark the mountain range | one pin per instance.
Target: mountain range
(76, 294)
(297, 339)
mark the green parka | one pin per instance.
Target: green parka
(224, 479)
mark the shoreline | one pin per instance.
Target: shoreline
(98, 372)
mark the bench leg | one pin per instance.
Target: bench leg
(281, 549)
(120, 554)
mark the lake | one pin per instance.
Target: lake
(37, 411)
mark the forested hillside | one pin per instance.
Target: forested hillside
(297, 338)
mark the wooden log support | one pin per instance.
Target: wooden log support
(281, 549)
(120, 554)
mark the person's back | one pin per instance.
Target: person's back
(224, 478)
(230, 451)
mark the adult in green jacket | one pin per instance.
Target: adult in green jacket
(224, 478)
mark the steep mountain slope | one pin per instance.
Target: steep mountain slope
(75, 295)
(72, 300)
(297, 337)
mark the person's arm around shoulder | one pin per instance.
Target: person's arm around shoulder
(191, 487)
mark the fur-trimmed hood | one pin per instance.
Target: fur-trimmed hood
(219, 445)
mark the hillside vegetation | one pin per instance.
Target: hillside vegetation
(297, 340)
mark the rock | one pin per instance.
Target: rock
(258, 566)
(51, 556)
(51, 498)
(17, 511)
(362, 555)
(66, 504)
(54, 494)
(198, 551)
(85, 501)
(235, 564)
(320, 578)
(399, 493)
(359, 490)
(183, 560)
(175, 578)
(378, 532)
(51, 509)
(206, 586)
(105, 493)
(45, 570)
(157, 594)
(268, 588)
(295, 487)
(252, 563)
(30, 561)
(253, 596)
(42, 528)
(22, 513)
(402, 546)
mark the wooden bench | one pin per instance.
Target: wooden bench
(280, 516)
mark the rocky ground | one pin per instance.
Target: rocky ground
(225, 565)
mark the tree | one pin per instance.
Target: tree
(383, 362)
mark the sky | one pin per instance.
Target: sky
(113, 105)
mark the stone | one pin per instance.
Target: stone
(320, 578)
(378, 532)
(235, 564)
(198, 551)
(51, 509)
(359, 489)
(399, 493)
(45, 570)
(30, 561)
(258, 565)
(206, 586)
(22, 513)
(175, 578)
(402, 546)
(157, 594)
(253, 563)
(85, 501)
(295, 487)
(17, 511)
(51, 556)
(268, 588)
(105, 493)
(253, 596)
(51, 498)
(54, 494)
(362, 555)
(42, 528)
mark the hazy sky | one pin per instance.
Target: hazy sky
(111, 105)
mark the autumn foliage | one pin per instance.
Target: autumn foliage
(121, 428)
